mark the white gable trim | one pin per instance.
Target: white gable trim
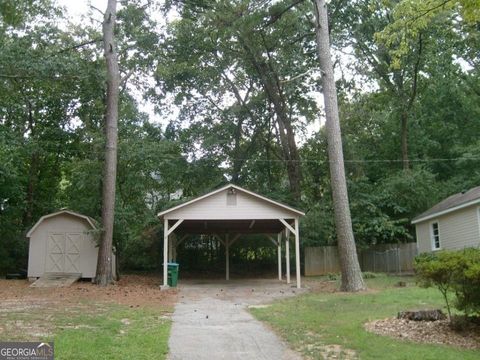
(446, 211)
(37, 224)
(161, 214)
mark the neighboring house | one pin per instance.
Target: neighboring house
(452, 224)
(63, 243)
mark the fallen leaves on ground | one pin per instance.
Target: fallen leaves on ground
(431, 332)
(132, 290)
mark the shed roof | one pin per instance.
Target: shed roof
(90, 220)
(238, 188)
(452, 203)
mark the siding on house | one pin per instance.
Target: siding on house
(220, 207)
(458, 230)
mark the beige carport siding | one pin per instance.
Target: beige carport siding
(228, 213)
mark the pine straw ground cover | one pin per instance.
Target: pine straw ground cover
(434, 332)
(129, 320)
(331, 325)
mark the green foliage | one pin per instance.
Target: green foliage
(317, 227)
(333, 276)
(456, 272)
(412, 18)
(204, 66)
(214, 62)
(369, 275)
(51, 132)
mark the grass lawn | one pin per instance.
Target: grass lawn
(118, 333)
(93, 331)
(317, 323)
(88, 322)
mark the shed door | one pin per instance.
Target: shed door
(72, 252)
(63, 253)
(55, 253)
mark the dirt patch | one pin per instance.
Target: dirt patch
(29, 313)
(332, 286)
(313, 347)
(323, 286)
(431, 332)
(336, 352)
(240, 291)
(132, 290)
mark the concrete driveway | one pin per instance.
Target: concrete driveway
(211, 321)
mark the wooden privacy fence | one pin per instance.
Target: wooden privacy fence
(389, 258)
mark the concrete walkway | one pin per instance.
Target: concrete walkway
(211, 322)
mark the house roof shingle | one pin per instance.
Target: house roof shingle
(450, 203)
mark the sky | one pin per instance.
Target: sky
(77, 9)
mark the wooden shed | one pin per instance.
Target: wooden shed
(228, 214)
(63, 243)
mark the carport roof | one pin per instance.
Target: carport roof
(238, 188)
(210, 214)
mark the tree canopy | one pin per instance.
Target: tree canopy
(235, 87)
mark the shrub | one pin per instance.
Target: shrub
(333, 276)
(453, 272)
(435, 270)
(467, 287)
(369, 275)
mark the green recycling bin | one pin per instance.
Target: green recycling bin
(172, 274)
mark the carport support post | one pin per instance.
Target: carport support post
(279, 250)
(165, 253)
(287, 253)
(297, 253)
(227, 257)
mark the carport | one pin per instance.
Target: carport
(227, 214)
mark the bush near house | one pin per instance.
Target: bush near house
(453, 272)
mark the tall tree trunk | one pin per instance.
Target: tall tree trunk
(237, 161)
(32, 173)
(275, 95)
(104, 274)
(351, 274)
(411, 100)
(404, 138)
(30, 198)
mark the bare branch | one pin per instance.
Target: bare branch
(89, 42)
(95, 8)
(295, 77)
(424, 12)
(127, 76)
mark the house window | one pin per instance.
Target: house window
(435, 236)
